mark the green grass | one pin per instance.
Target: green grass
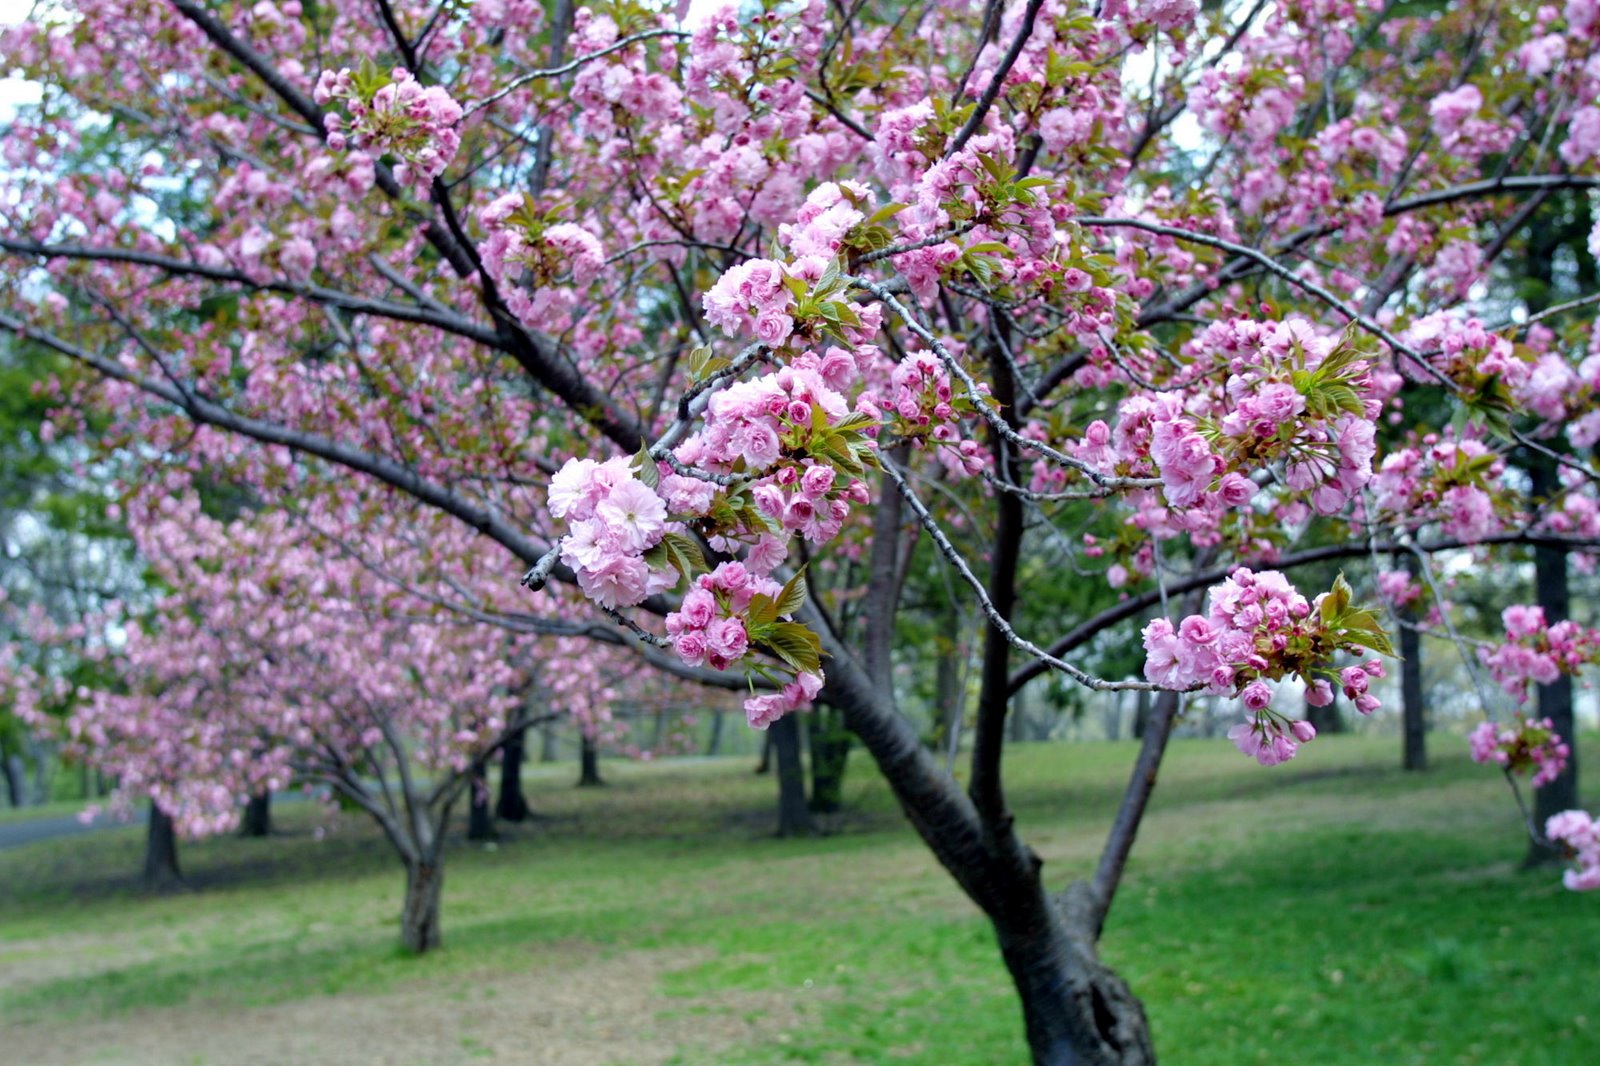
(1330, 911)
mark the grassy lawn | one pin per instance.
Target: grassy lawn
(1330, 911)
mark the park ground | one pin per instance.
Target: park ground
(1334, 910)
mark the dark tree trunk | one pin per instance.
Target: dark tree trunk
(1141, 711)
(1414, 714)
(11, 767)
(830, 753)
(1555, 701)
(765, 765)
(512, 805)
(714, 745)
(480, 815)
(589, 764)
(161, 872)
(257, 820)
(794, 818)
(419, 917)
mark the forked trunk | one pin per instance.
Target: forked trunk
(1075, 1009)
(419, 918)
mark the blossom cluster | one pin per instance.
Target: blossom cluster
(1292, 396)
(1579, 835)
(1259, 629)
(1536, 653)
(415, 123)
(1523, 745)
(614, 519)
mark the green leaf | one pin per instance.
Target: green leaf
(886, 212)
(645, 467)
(684, 555)
(796, 645)
(793, 596)
(763, 611)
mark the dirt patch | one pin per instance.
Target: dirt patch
(590, 1012)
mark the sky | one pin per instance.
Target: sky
(14, 91)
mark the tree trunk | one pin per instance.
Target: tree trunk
(765, 765)
(257, 820)
(589, 764)
(830, 753)
(549, 744)
(480, 818)
(714, 745)
(512, 805)
(11, 767)
(161, 872)
(1141, 711)
(1555, 701)
(1076, 1011)
(419, 917)
(794, 819)
(1414, 715)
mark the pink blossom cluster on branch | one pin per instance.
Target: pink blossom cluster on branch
(1523, 745)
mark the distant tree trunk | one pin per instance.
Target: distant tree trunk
(714, 745)
(11, 767)
(1555, 701)
(765, 765)
(830, 753)
(512, 806)
(549, 744)
(1414, 715)
(1141, 711)
(161, 854)
(40, 754)
(947, 692)
(257, 820)
(794, 819)
(419, 917)
(589, 764)
(480, 814)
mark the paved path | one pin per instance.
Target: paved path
(16, 834)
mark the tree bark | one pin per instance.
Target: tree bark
(11, 768)
(830, 754)
(480, 816)
(512, 805)
(589, 764)
(257, 820)
(1414, 714)
(1076, 1011)
(419, 917)
(794, 818)
(161, 872)
(714, 745)
(550, 745)
(1555, 700)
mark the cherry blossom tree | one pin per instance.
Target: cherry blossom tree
(712, 318)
